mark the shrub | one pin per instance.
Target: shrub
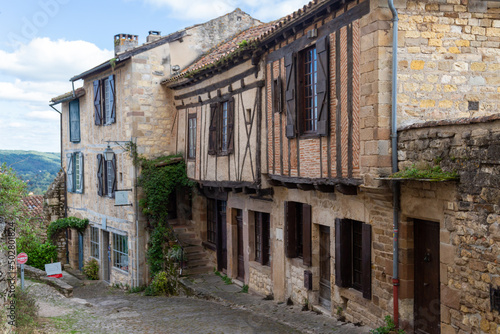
(91, 269)
(26, 311)
(38, 254)
(79, 224)
(388, 328)
(165, 283)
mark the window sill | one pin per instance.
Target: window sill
(95, 258)
(309, 136)
(209, 245)
(264, 269)
(121, 271)
(298, 262)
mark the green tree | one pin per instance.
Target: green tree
(12, 191)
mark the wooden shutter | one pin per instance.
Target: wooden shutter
(342, 253)
(113, 176)
(212, 131)
(112, 98)
(100, 175)
(322, 86)
(266, 238)
(277, 95)
(367, 260)
(290, 229)
(230, 126)
(80, 174)
(306, 235)
(290, 96)
(69, 173)
(74, 121)
(97, 103)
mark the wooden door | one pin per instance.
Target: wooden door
(221, 236)
(427, 284)
(241, 259)
(324, 267)
(80, 251)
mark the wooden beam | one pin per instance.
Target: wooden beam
(265, 192)
(247, 190)
(347, 190)
(290, 185)
(305, 186)
(324, 188)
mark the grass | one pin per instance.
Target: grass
(225, 278)
(26, 312)
(434, 173)
(244, 289)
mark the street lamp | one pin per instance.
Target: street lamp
(108, 154)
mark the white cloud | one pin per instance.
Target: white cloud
(263, 10)
(47, 60)
(44, 115)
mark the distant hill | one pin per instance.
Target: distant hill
(39, 169)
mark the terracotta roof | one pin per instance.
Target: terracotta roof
(79, 92)
(253, 36)
(33, 204)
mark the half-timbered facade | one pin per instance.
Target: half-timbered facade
(219, 130)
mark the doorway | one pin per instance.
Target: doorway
(427, 305)
(240, 255)
(324, 267)
(80, 251)
(221, 236)
(106, 257)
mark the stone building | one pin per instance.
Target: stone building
(121, 104)
(326, 124)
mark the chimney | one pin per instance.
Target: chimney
(124, 42)
(153, 36)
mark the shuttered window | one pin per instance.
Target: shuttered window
(104, 101)
(94, 242)
(262, 238)
(353, 255)
(298, 231)
(74, 121)
(74, 172)
(306, 93)
(106, 176)
(211, 221)
(221, 129)
(120, 252)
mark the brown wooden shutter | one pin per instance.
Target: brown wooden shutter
(97, 103)
(266, 238)
(290, 229)
(112, 98)
(290, 96)
(367, 260)
(322, 86)
(212, 131)
(100, 174)
(277, 95)
(342, 253)
(306, 235)
(230, 126)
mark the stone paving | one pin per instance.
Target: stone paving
(98, 308)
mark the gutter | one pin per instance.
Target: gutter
(394, 149)
(61, 129)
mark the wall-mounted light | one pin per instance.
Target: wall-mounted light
(108, 154)
(176, 68)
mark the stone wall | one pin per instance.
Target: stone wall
(448, 59)
(54, 199)
(260, 279)
(468, 212)
(5, 285)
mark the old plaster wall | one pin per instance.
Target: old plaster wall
(469, 215)
(448, 59)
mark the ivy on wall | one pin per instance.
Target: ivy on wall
(72, 222)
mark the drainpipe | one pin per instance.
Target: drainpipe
(136, 200)
(394, 146)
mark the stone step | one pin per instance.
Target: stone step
(197, 263)
(194, 249)
(196, 256)
(197, 270)
(186, 235)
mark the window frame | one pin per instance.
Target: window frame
(221, 128)
(192, 129)
(263, 238)
(119, 253)
(103, 169)
(105, 101)
(74, 136)
(211, 221)
(73, 174)
(308, 114)
(298, 216)
(94, 245)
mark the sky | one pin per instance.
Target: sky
(43, 43)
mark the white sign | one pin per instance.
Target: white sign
(121, 198)
(279, 234)
(53, 268)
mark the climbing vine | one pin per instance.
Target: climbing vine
(160, 178)
(72, 222)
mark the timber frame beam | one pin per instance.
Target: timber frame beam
(347, 186)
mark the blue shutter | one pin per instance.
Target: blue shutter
(100, 174)
(97, 103)
(80, 174)
(69, 173)
(74, 121)
(113, 176)
(112, 99)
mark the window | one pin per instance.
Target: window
(221, 130)
(104, 101)
(262, 238)
(211, 220)
(308, 90)
(74, 121)
(120, 252)
(192, 136)
(298, 231)
(353, 255)
(74, 170)
(306, 93)
(94, 242)
(106, 176)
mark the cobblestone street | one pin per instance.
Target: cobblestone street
(96, 308)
